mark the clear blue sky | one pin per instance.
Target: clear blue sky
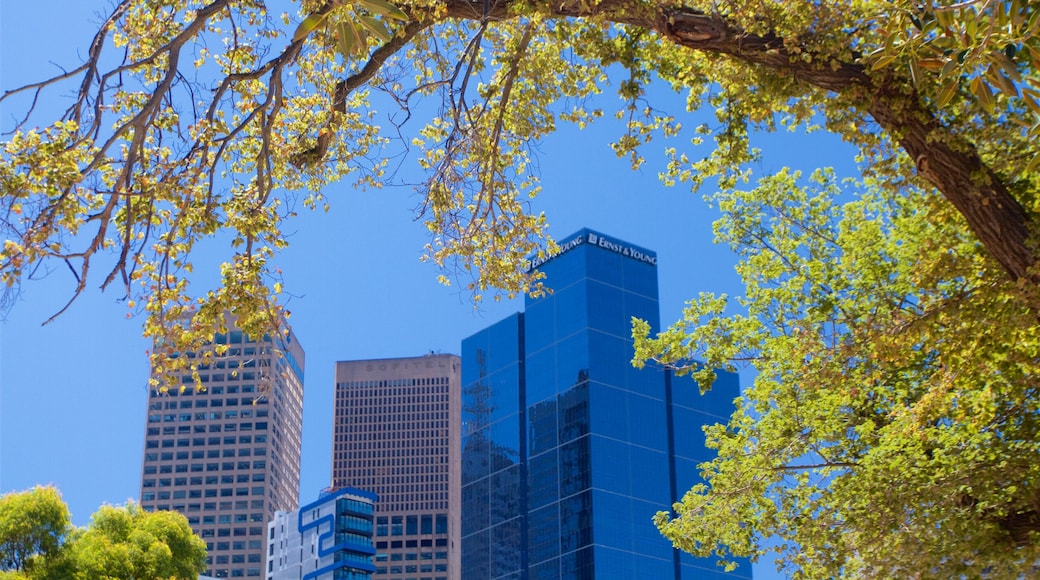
(72, 393)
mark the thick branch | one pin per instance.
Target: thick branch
(948, 162)
(952, 165)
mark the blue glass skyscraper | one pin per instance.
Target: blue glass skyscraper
(569, 451)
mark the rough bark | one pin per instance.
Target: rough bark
(948, 162)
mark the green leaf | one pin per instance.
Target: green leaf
(915, 73)
(883, 61)
(375, 27)
(345, 41)
(307, 26)
(384, 8)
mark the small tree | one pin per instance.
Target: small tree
(33, 527)
(120, 543)
(127, 542)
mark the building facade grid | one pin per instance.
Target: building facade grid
(396, 432)
(227, 456)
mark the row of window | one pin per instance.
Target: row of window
(196, 442)
(207, 390)
(349, 462)
(381, 385)
(212, 415)
(359, 461)
(411, 569)
(234, 559)
(355, 401)
(227, 532)
(212, 466)
(429, 445)
(234, 572)
(234, 375)
(203, 403)
(436, 405)
(410, 556)
(411, 435)
(256, 504)
(236, 545)
(411, 525)
(212, 454)
(197, 480)
(241, 504)
(210, 480)
(227, 519)
(149, 496)
(411, 502)
(199, 429)
(383, 546)
(197, 454)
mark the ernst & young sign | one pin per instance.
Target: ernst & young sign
(600, 241)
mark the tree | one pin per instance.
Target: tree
(126, 542)
(216, 115)
(120, 543)
(33, 526)
(179, 139)
(893, 427)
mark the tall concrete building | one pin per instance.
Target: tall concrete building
(228, 457)
(396, 433)
(568, 451)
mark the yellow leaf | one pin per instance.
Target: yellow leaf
(984, 94)
(882, 62)
(947, 93)
(1033, 165)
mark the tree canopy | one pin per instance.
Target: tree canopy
(37, 540)
(891, 320)
(893, 427)
(32, 524)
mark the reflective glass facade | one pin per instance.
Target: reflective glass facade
(569, 451)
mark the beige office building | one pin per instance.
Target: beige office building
(396, 433)
(228, 457)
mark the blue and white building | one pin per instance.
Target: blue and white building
(329, 539)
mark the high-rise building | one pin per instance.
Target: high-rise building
(396, 432)
(329, 539)
(568, 451)
(228, 456)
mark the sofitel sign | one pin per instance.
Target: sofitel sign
(599, 241)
